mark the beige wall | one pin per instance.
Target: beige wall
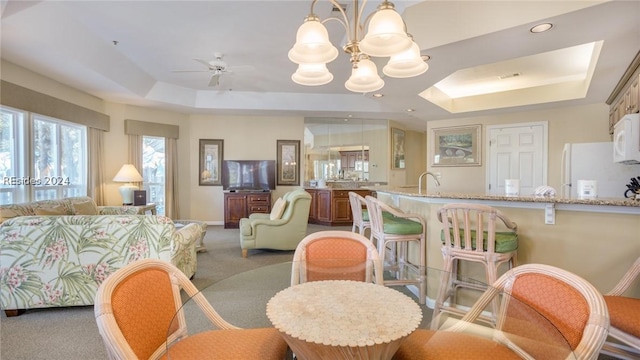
(587, 123)
(245, 138)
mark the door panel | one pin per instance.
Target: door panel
(517, 152)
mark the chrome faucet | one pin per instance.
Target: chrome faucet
(435, 179)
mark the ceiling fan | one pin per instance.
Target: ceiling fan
(218, 67)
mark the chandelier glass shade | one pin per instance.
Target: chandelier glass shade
(386, 37)
(312, 74)
(312, 44)
(406, 64)
(364, 78)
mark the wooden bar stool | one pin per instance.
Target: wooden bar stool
(360, 215)
(464, 226)
(392, 230)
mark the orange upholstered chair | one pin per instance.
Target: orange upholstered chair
(336, 255)
(135, 308)
(624, 333)
(545, 313)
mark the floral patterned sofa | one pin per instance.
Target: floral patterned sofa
(61, 260)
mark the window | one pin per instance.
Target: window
(153, 170)
(58, 153)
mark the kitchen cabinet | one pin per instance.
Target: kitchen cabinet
(238, 205)
(353, 160)
(625, 98)
(331, 206)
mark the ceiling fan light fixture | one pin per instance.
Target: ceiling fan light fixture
(364, 77)
(312, 75)
(386, 35)
(312, 43)
(406, 64)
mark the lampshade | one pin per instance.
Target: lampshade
(364, 78)
(406, 64)
(386, 35)
(127, 174)
(312, 75)
(312, 44)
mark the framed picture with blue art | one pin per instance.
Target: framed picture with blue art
(457, 146)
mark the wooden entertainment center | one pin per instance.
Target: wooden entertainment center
(240, 204)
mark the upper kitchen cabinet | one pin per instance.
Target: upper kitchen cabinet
(625, 98)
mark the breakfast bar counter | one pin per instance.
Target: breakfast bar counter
(597, 239)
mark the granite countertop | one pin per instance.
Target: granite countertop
(537, 199)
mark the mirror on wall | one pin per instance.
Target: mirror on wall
(345, 149)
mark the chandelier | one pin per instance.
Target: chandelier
(386, 37)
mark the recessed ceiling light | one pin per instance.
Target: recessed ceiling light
(425, 57)
(411, 110)
(541, 28)
(378, 95)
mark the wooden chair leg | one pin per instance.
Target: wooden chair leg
(245, 253)
(14, 312)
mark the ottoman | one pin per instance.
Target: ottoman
(203, 226)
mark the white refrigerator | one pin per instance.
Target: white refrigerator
(594, 161)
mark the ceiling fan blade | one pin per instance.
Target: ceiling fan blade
(203, 62)
(241, 68)
(215, 80)
(182, 71)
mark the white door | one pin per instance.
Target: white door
(517, 151)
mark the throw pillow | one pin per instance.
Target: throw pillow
(54, 210)
(85, 208)
(278, 209)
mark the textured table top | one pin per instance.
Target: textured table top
(343, 313)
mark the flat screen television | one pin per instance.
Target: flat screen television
(249, 175)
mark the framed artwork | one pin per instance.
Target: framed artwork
(397, 149)
(288, 162)
(211, 154)
(457, 146)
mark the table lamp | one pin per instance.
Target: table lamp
(127, 174)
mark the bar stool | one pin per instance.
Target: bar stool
(360, 215)
(464, 226)
(392, 230)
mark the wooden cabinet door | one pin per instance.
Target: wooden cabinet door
(351, 160)
(324, 205)
(341, 210)
(235, 208)
(313, 210)
(632, 97)
(340, 207)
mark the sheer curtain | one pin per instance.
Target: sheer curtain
(95, 175)
(172, 209)
(135, 154)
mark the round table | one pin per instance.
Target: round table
(343, 319)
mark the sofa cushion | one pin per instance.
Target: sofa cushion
(14, 210)
(278, 209)
(85, 208)
(53, 210)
